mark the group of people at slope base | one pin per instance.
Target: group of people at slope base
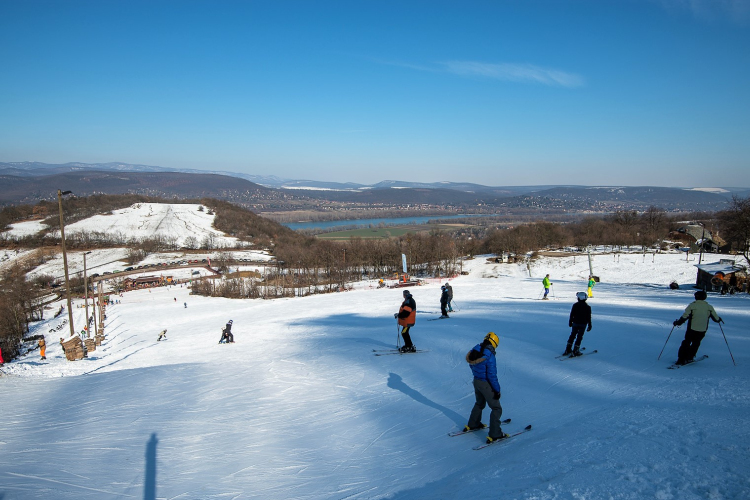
(546, 283)
(483, 364)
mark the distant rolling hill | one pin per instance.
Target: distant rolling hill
(28, 182)
(15, 189)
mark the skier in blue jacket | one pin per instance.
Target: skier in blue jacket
(481, 359)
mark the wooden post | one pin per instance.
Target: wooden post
(65, 260)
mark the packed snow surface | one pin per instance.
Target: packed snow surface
(146, 220)
(300, 408)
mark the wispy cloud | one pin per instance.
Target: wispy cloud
(529, 73)
(521, 73)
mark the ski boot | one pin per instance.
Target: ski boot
(469, 429)
(577, 352)
(491, 440)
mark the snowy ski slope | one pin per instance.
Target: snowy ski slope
(146, 220)
(299, 408)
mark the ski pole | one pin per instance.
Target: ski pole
(453, 302)
(725, 340)
(552, 289)
(398, 336)
(665, 343)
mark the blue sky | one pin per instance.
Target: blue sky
(523, 92)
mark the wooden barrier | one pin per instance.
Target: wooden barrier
(74, 348)
(90, 344)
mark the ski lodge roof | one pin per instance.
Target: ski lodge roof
(724, 266)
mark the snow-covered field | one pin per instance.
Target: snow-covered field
(26, 228)
(299, 408)
(175, 222)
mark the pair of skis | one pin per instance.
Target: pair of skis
(570, 356)
(485, 445)
(388, 352)
(676, 366)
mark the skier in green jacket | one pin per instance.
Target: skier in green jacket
(546, 282)
(592, 282)
(697, 315)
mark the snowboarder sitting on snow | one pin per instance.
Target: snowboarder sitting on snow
(481, 359)
(580, 317)
(226, 334)
(162, 335)
(697, 315)
(444, 302)
(546, 282)
(407, 316)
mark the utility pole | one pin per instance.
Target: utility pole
(101, 308)
(93, 302)
(60, 194)
(86, 294)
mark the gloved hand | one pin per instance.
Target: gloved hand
(395, 316)
(676, 322)
(588, 329)
(496, 395)
(570, 324)
(721, 320)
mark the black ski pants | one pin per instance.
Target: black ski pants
(406, 336)
(689, 347)
(577, 335)
(444, 308)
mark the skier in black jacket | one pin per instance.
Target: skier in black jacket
(580, 318)
(444, 302)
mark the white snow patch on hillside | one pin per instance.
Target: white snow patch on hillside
(709, 190)
(97, 261)
(300, 408)
(175, 222)
(26, 228)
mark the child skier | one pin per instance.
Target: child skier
(444, 302)
(162, 335)
(580, 318)
(592, 282)
(481, 359)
